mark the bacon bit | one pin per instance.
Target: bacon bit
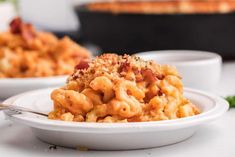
(92, 71)
(124, 67)
(23, 68)
(74, 77)
(160, 93)
(83, 64)
(26, 30)
(15, 25)
(81, 73)
(129, 92)
(160, 76)
(149, 75)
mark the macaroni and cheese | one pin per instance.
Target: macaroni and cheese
(25, 52)
(114, 88)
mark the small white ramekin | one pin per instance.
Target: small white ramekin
(199, 69)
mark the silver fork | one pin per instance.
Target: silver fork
(19, 109)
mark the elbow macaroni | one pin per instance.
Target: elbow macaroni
(122, 89)
(30, 53)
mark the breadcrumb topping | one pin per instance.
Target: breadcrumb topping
(116, 67)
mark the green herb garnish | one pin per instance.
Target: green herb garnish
(231, 100)
(12, 1)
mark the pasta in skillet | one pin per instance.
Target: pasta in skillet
(114, 88)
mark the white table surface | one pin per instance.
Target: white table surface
(216, 139)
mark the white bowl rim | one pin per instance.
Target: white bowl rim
(212, 57)
(221, 106)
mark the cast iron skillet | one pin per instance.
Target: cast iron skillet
(133, 33)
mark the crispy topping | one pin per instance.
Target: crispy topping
(117, 67)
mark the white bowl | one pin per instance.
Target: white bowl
(13, 86)
(199, 69)
(114, 136)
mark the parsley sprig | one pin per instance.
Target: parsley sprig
(231, 100)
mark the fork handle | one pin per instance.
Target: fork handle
(4, 107)
(8, 107)
(19, 108)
